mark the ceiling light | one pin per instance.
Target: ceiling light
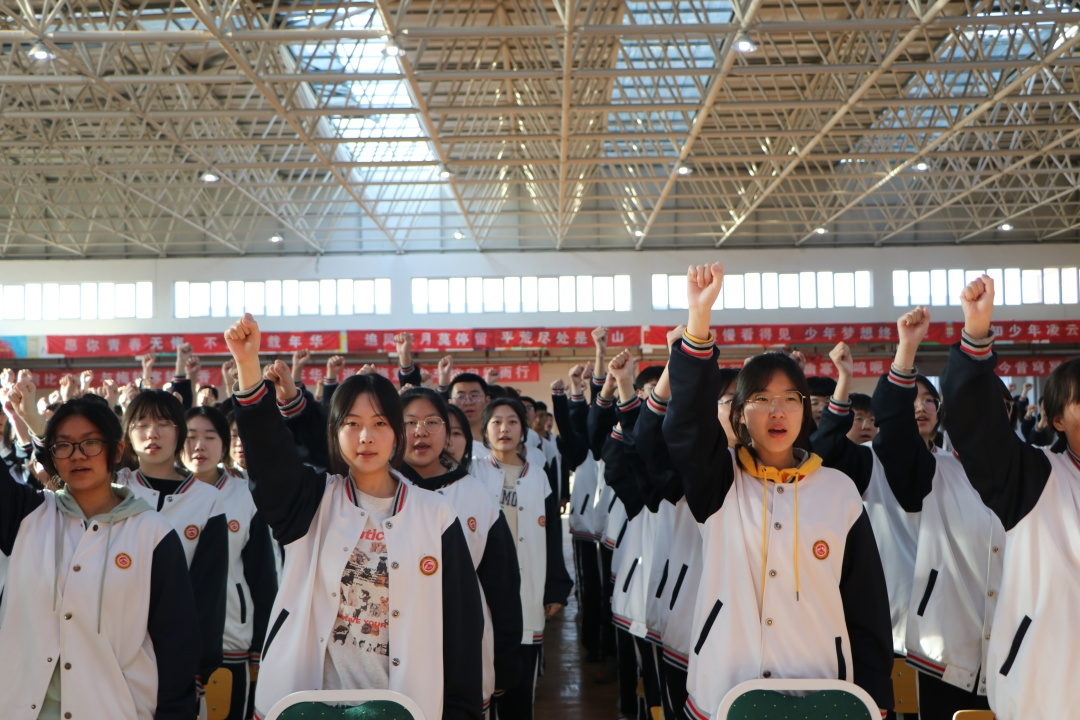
(392, 50)
(639, 233)
(275, 238)
(922, 167)
(40, 52)
(684, 170)
(1005, 227)
(744, 44)
(820, 231)
(446, 173)
(209, 177)
(458, 235)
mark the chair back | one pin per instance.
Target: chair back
(817, 700)
(218, 694)
(345, 705)
(905, 688)
(974, 715)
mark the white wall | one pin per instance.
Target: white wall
(640, 265)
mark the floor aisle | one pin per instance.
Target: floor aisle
(568, 691)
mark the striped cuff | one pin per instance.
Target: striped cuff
(405, 370)
(692, 346)
(558, 392)
(577, 398)
(179, 376)
(443, 388)
(839, 407)
(630, 404)
(604, 403)
(657, 405)
(616, 433)
(328, 381)
(978, 349)
(293, 407)
(252, 395)
(901, 378)
(254, 657)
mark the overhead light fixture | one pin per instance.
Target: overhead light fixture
(684, 170)
(275, 238)
(446, 173)
(458, 235)
(40, 52)
(820, 231)
(744, 44)
(392, 49)
(922, 167)
(639, 233)
(209, 177)
(1005, 227)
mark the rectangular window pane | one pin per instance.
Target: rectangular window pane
(144, 300)
(106, 301)
(474, 294)
(290, 298)
(88, 308)
(273, 298)
(900, 288)
(14, 307)
(844, 284)
(50, 301)
(825, 289)
(69, 302)
(789, 290)
(328, 297)
(677, 292)
(732, 289)
(199, 305)
(603, 292)
(219, 298)
(237, 296)
(659, 292)
(512, 294)
(919, 285)
(864, 289)
(807, 290)
(939, 287)
(344, 296)
(623, 300)
(956, 286)
(382, 296)
(585, 293)
(364, 297)
(457, 295)
(752, 290)
(1013, 287)
(770, 291)
(566, 293)
(493, 294)
(530, 296)
(1051, 286)
(436, 294)
(309, 297)
(255, 298)
(1031, 286)
(125, 301)
(548, 294)
(33, 301)
(181, 300)
(998, 276)
(419, 296)
(1070, 285)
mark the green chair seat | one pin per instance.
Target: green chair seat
(822, 705)
(372, 710)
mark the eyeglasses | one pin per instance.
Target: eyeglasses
(929, 403)
(470, 397)
(160, 427)
(90, 448)
(431, 424)
(788, 401)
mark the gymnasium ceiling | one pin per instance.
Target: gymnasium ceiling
(433, 125)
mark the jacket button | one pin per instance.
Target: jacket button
(772, 573)
(990, 594)
(394, 565)
(48, 659)
(67, 616)
(995, 549)
(94, 528)
(395, 662)
(777, 526)
(395, 613)
(77, 568)
(389, 524)
(333, 594)
(768, 621)
(33, 707)
(67, 715)
(766, 674)
(67, 666)
(345, 549)
(780, 490)
(522, 509)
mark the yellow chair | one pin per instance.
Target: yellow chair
(973, 715)
(905, 688)
(218, 695)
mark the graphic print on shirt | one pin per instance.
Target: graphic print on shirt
(509, 494)
(365, 597)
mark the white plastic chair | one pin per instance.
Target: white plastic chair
(352, 698)
(796, 686)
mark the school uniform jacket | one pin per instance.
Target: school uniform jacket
(435, 607)
(958, 559)
(773, 602)
(123, 629)
(896, 529)
(253, 576)
(1036, 495)
(495, 558)
(196, 512)
(544, 579)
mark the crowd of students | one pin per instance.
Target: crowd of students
(362, 535)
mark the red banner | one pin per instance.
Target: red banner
(509, 373)
(1028, 366)
(50, 379)
(438, 340)
(202, 343)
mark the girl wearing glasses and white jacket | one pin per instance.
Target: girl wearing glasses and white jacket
(103, 622)
(792, 585)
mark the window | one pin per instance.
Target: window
(773, 291)
(1013, 286)
(278, 298)
(565, 293)
(83, 301)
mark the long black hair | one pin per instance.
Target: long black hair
(386, 401)
(518, 409)
(221, 427)
(440, 405)
(466, 430)
(1062, 389)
